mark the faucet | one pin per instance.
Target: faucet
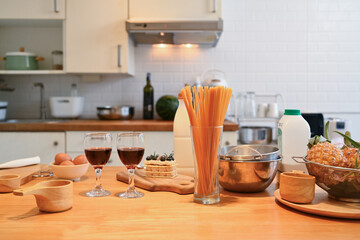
(42, 100)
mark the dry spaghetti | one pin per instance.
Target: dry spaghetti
(206, 107)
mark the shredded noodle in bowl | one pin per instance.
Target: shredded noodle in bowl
(206, 107)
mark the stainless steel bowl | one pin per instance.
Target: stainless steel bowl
(244, 171)
(340, 183)
(115, 112)
(255, 135)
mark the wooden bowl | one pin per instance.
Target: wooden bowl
(70, 172)
(51, 196)
(297, 187)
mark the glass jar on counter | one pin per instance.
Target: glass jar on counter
(57, 60)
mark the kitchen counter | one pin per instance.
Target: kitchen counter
(165, 215)
(99, 125)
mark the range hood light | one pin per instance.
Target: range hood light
(204, 33)
(189, 45)
(161, 45)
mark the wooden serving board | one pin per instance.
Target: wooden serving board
(324, 206)
(180, 184)
(24, 172)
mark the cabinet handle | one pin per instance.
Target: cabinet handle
(119, 55)
(214, 6)
(227, 143)
(56, 6)
(56, 143)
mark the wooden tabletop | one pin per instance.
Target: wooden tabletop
(165, 215)
(99, 125)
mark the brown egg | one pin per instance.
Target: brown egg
(81, 159)
(61, 157)
(67, 162)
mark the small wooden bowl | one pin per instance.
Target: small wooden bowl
(297, 187)
(51, 196)
(9, 182)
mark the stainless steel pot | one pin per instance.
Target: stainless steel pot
(255, 135)
(115, 112)
(248, 168)
(21, 60)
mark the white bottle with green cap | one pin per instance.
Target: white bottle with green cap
(293, 136)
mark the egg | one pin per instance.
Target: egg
(67, 162)
(61, 157)
(81, 159)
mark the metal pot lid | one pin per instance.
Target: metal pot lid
(105, 108)
(249, 152)
(3, 104)
(27, 54)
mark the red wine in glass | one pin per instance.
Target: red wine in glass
(131, 156)
(130, 147)
(98, 157)
(97, 148)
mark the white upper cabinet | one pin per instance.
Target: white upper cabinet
(174, 9)
(32, 9)
(96, 40)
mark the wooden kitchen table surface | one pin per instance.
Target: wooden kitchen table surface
(99, 125)
(164, 215)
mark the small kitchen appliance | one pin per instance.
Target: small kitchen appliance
(337, 124)
(316, 123)
(66, 107)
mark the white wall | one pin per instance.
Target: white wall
(307, 50)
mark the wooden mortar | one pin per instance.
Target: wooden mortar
(297, 187)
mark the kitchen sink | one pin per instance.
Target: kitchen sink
(32, 121)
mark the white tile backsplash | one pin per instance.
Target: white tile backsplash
(307, 50)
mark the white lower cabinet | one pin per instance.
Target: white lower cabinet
(17, 145)
(46, 145)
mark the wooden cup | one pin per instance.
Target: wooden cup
(9, 182)
(51, 196)
(297, 187)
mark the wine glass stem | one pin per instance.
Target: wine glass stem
(98, 176)
(131, 180)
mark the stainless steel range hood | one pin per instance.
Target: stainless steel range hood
(203, 33)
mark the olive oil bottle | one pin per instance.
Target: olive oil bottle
(148, 111)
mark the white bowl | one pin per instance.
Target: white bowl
(70, 172)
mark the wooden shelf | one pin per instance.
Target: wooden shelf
(30, 72)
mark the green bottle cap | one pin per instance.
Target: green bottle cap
(292, 112)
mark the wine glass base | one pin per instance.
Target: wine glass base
(97, 193)
(131, 194)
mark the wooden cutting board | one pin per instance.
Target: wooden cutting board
(24, 172)
(324, 206)
(181, 184)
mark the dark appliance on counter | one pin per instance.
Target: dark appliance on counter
(316, 123)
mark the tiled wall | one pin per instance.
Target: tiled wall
(307, 50)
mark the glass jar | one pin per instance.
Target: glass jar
(250, 108)
(57, 60)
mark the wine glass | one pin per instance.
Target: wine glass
(130, 147)
(97, 150)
